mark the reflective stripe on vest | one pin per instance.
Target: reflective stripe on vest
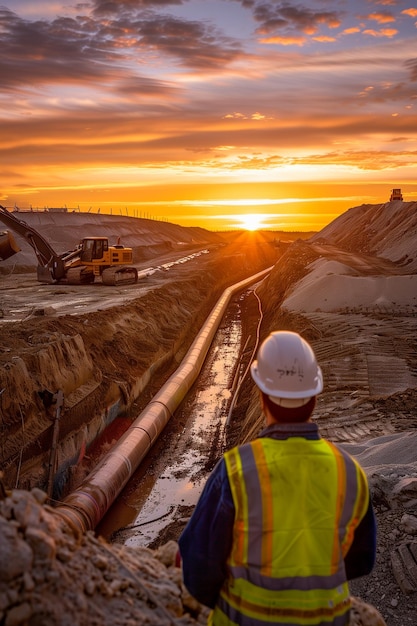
(297, 504)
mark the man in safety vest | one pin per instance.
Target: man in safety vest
(285, 520)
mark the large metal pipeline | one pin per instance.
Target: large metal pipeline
(86, 506)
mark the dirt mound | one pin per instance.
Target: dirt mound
(387, 230)
(51, 576)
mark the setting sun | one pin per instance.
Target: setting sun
(251, 221)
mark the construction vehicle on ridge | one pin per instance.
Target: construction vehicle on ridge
(93, 257)
(396, 195)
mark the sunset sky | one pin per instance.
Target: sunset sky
(201, 111)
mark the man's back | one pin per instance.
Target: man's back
(284, 521)
(293, 525)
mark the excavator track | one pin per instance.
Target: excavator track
(81, 275)
(120, 276)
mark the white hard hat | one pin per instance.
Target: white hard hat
(286, 369)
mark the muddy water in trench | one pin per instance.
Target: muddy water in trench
(176, 469)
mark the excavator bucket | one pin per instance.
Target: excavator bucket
(8, 245)
(44, 275)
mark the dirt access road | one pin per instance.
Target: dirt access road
(23, 296)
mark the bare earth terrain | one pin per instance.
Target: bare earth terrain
(350, 290)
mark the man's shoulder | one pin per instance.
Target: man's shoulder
(237, 450)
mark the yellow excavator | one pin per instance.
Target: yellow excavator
(92, 258)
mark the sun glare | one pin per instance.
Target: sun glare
(251, 221)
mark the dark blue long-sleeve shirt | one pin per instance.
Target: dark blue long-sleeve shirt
(206, 542)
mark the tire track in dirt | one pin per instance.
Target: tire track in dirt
(365, 359)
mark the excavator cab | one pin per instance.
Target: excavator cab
(93, 248)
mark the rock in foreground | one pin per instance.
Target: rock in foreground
(50, 575)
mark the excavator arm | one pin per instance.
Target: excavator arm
(92, 257)
(50, 264)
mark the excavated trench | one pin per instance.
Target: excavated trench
(167, 484)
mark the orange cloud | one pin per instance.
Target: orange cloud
(284, 41)
(411, 12)
(384, 32)
(381, 18)
(324, 39)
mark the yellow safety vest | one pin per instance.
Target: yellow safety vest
(297, 504)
